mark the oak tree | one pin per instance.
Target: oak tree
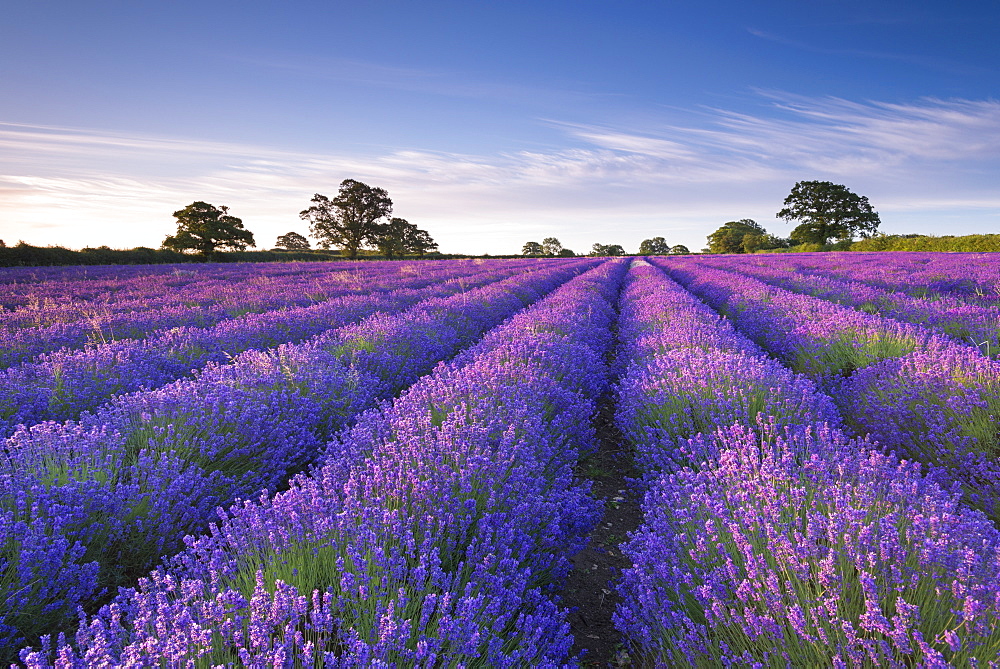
(551, 246)
(828, 211)
(205, 228)
(657, 246)
(532, 249)
(730, 237)
(607, 250)
(418, 242)
(292, 241)
(399, 237)
(350, 220)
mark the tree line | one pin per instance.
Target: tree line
(827, 213)
(359, 217)
(551, 248)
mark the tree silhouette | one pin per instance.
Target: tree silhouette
(657, 246)
(351, 219)
(551, 246)
(292, 241)
(828, 211)
(532, 249)
(205, 228)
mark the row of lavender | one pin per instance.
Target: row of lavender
(971, 323)
(971, 276)
(107, 304)
(922, 394)
(431, 535)
(32, 288)
(141, 306)
(771, 537)
(61, 385)
(685, 372)
(89, 506)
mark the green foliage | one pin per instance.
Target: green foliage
(607, 250)
(350, 220)
(292, 241)
(205, 228)
(391, 237)
(532, 249)
(828, 211)
(419, 242)
(844, 352)
(799, 248)
(657, 246)
(679, 250)
(27, 255)
(551, 247)
(948, 243)
(734, 236)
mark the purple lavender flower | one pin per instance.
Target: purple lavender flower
(431, 534)
(850, 554)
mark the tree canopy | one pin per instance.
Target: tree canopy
(418, 242)
(657, 246)
(607, 250)
(532, 249)
(828, 211)
(292, 241)
(551, 246)
(390, 237)
(399, 237)
(205, 228)
(730, 237)
(679, 250)
(351, 219)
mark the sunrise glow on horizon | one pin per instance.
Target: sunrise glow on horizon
(494, 124)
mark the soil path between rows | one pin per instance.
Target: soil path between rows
(590, 592)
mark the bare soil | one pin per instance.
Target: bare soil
(590, 592)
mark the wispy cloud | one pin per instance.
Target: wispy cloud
(77, 187)
(432, 81)
(942, 65)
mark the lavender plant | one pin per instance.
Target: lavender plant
(941, 409)
(850, 558)
(61, 385)
(429, 536)
(232, 431)
(686, 371)
(822, 340)
(978, 324)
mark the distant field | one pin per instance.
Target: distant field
(392, 464)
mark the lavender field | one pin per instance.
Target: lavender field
(379, 464)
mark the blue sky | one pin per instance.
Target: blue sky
(492, 124)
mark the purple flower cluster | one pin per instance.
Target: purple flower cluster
(942, 409)
(686, 371)
(969, 323)
(61, 385)
(431, 536)
(771, 539)
(99, 502)
(107, 297)
(436, 529)
(809, 549)
(823, 340)
(974, 277)
(40, 296)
